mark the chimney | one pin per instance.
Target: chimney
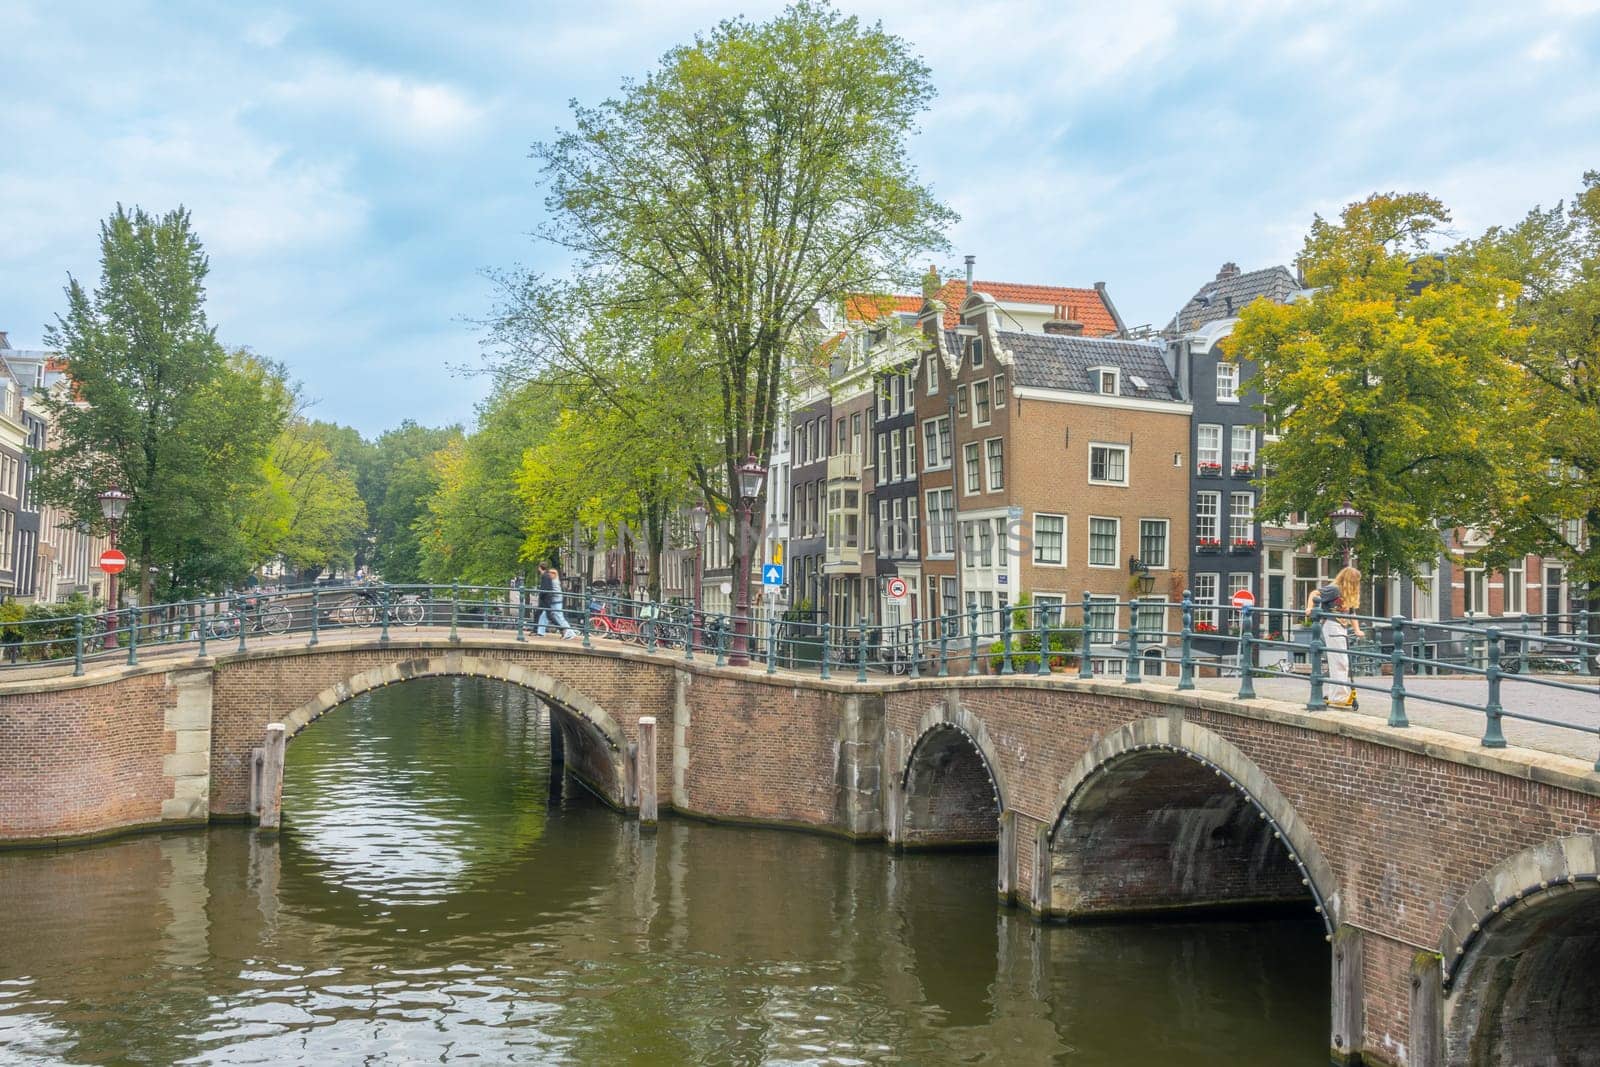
(1063, 323)
(970, 261)
(1229, 270)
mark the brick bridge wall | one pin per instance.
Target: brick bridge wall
(1098, 794)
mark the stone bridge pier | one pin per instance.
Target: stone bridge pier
(1458, 886)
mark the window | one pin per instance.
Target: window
(1207, 509)
(1049, 606)
(976, 346)
(895, 457)
(1516, 591)
(980, 403)
(1242, 518)
(896, 390)
(881, 542)
(844, 434)
(1101, 620)
(933, 374)
(1236, 582)
(1049, 539)
(999, 390)
(1153, 542)
(1244, 448)
(997, 463)
(1310, 574)
(1105, 380)
(948, 605)
(1476, 599)
(1204, 597)
(855, 433)
(961, 401)
(1105, 536)
(799, 446)
(1424, 590)
(1208, 446)
(1228, 382)
(936, 443)
(898, 536)
(970, 454)
(883, 456)
(1108, 464)
(941, 522)
(911, 452)
(8, 526)
(883, 398)
(985, 544)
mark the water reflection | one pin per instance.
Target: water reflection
(427, 901)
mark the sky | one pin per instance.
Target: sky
(354, 168)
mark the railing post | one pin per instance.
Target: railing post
(944, 647)
(584, 625)
(772, 645)
(1522, 648)
(1492, 735)
(827, 650)
(205, 626)
(1585, 655)
(650, 633)
(1085, 662)
(688, 637)
(916, 651)
(1397, 674)
(77, 645)
(861, 652)
(455, 611)
(522, 614)
(1043, 666)
(316, 615)
(722, 641)
(1130, 669)
(384, 607)
(1005, 641)
(1247, 681)
(1315, 701)
(133, 636)
(972, 641)
(1186, 643)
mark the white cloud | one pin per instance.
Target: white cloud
(412, 110)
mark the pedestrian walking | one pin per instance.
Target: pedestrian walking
(1339, 602)
(556, 616)
(545, 599)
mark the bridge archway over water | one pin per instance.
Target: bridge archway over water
(594, 743)
(953, 793)
(1148, 822)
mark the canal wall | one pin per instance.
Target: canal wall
(1428, 858)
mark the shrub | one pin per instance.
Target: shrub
(1061, 641)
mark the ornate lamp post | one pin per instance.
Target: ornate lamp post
(1147, 581)
(1346, 524)
(699, 515)
(113, 505)
(751, 476)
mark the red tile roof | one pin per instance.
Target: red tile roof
(1084, 305)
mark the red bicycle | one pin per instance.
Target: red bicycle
(626, 628)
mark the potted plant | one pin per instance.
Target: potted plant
(1243, 545)
(1207, 546)
(1244, 470)
(1208, 469)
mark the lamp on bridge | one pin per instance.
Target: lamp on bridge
(113, 505)
(752, 474)
(699, 515)
(1147, 581)
(1346, 524)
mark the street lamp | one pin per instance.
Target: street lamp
(1346, 524)
(751, 475)
(1147, 581)
(113, 505)
(699, 515)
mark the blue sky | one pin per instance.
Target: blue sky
(353, 167)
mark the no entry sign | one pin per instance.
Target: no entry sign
(1244, 598)
(112, 561)
(897, 589)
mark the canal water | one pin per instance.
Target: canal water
(434, 898)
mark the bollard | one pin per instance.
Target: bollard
(1130, 670)
(1085, 663)
(1247, 680)
(861, 653)
(1492, 735)
(772, 645)
(972, 641)
(1005, 642)
(647, 772)
(316, 615)
(1186, 644)
(77, 645)
(1315, 701)
(1397, 672)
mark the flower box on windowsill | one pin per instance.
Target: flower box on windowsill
(1208, 548)
(1209, 470)
(1244, 470)
(1242, 547)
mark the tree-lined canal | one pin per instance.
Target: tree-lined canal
(434, 898)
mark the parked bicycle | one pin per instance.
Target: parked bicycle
(668, 630)
(251, 612)
(365, 607)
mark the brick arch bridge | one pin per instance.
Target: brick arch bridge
(1459, 885)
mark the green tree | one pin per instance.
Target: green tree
(305, 508)
(1389, 385)
(756, 175)
(400, 482)
(1553, 504)
(156, 407)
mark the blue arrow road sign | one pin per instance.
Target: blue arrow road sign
(772, 574)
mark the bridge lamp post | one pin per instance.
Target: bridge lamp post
(1346, 524)
(751, 476)
(113, 505)
(699, 515)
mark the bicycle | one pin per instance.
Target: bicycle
(274, 619)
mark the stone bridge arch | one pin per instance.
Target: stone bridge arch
(952, 788)
(1164, 815)
(1517, 961)
(596, 743)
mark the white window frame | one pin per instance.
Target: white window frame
(1248, 434)
(909, 442)
(933, 374)
(942, 532)
(1246, 513)
(994, 484)
(1166, 545)
(1516, 605)
(1425, 593)
(896, 457)
(1116, 551)
(1203, 599)
(1474, 592)
(1038, 544)
(1099, 381)
(1214, 517)
(982, 398)
(1000, 389)
(971, 469)
(1206, 453)
(1093, 445)
(1231, 377)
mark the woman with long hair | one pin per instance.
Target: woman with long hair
(1339, 601)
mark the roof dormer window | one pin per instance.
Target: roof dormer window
(1106, 380)
(976, 345)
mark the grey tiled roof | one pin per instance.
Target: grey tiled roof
(1057, 361)
(1226, 295)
